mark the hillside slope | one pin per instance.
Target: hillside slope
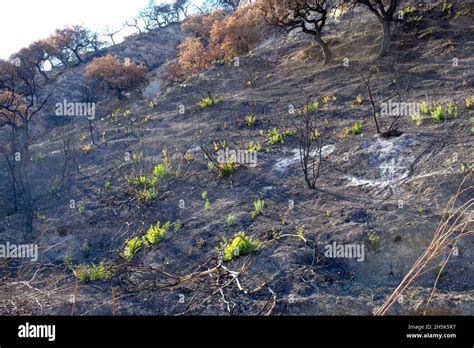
(386, 194)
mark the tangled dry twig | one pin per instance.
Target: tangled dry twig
(454, 225)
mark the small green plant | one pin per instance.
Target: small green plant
(177, 226)
(470, 102)
(90, 273)
(188, 156)
(240, 245)
(249, 84)
(209, 101)
(155, 233)
(300, 232)
(417, 19)
(462, 11)
(315, 134)
(446, 7)
(85, 249)
(408, 9)
(152, 104)
(250, 120)
(81, 209)
(108, 185)
(67, 262)
(472, 123)
(356, 128)
(258, 208)
(254, 146)
(328, 99)
(132, 246)
(451, 109)
(200, 243)
(147, 195)
(216, 146)
(310, 108)
(160, 171)
(210, 166)
(115, 115)
(274, 136)
(230, 219)
(374, 241)
(416, 118)
(138, 181)
(438, 114)
(137, 157)
(207, 203)
(226, 169)
(359, 100)
(86, 149)
(343, 134)
(424, 107)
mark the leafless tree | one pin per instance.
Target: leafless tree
(367, 82)
(134, 23)
(309, 15)
(111, 32)
(311, 130)
(20, 101)
(88, 96)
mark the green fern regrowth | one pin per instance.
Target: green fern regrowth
(424, 107)
(250, 120)
(416, 118)
(258, 208)
(438, 114)
(451, 109)
(90, 273)
(132, 246)
(356, 128)
(253, 146)
(155, 233)
(374, 241)
(241, 245)
(230, 219)
(310, 108)
(226, 169)
(147, 195)
(208, 101)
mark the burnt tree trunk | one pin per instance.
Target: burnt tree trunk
(327, 55)
(386, 37)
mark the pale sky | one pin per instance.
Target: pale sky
(24, 21)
